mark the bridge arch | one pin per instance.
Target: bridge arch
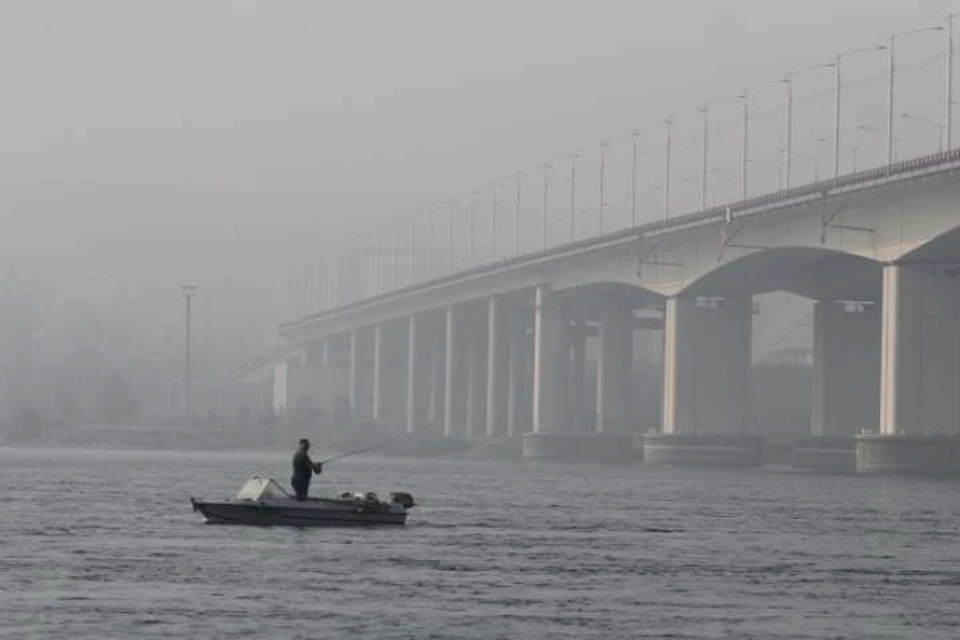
(597, 295)
(943, 247)
(812, 272)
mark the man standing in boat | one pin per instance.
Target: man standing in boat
(303, 470)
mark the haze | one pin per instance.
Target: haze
(150, 144)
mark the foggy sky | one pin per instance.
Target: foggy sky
(147, 144)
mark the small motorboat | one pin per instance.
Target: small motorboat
(262, 501)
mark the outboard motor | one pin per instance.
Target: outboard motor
(402, 498)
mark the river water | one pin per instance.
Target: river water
(103, 544)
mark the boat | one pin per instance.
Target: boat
(262, 501)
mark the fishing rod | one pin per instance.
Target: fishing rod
(355, 452)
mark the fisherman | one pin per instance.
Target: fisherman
(303, 469)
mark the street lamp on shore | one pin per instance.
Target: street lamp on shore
(188, 291)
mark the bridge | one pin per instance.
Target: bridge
(486, 336)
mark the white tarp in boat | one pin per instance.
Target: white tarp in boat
(260, 487)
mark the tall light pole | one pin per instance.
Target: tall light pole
(634, 177)
(947, 138)
(473, 231)
(891, 76)
(837, 92)
(395, 272)
(769, 165)
(744, 143)
(704, 166)
(910, 116)
(573, 195)
(788, 119)
(450, 233)
(188, 291)
(853, 152)
(813, 159)
(603, 186)
(668, 124)
(881, 132)
(516, 214)
(430, 247)
(546, 195)
(494, 207)
(787, 132)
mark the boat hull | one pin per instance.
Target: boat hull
(296, 514)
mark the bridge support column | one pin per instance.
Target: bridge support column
(615, 371)
(417, 362)
(547, 341)
(436, 366)
(476, 381)
(919, 373)
(498, 344)
(846, 383)
(453, 386)
(378, 372)
(578, 377)
(706, 371)
(353, 375)
(846, 368)
(516, 365)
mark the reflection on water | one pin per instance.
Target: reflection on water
(98, 544)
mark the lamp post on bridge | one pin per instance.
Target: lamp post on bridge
(668, 125)
(705, 158)
(891, 77)
(812, 158)
(946, 139)
(573, 195)
(854, 150)
(881, 132)
(837, 92)
(493, 220)
(451, 261)
(744, 142)
(788, 120)
(603, 177)
(473, 230)
(546, 195)
(634, 177)
(516, 214)
(940, 136)
(769, 165)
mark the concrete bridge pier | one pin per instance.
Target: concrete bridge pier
(498, 355)
(455, 372)
(546, 440)
(846, 383)
(418, 370)
(360, 373)
(577, 392)
(919, 375)
(378, 371)
(437, 360)
(705, 392)
(615, 370)
(562, 435)
(353, 374)
(518, 377)
(476, 355)
(548, 327)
